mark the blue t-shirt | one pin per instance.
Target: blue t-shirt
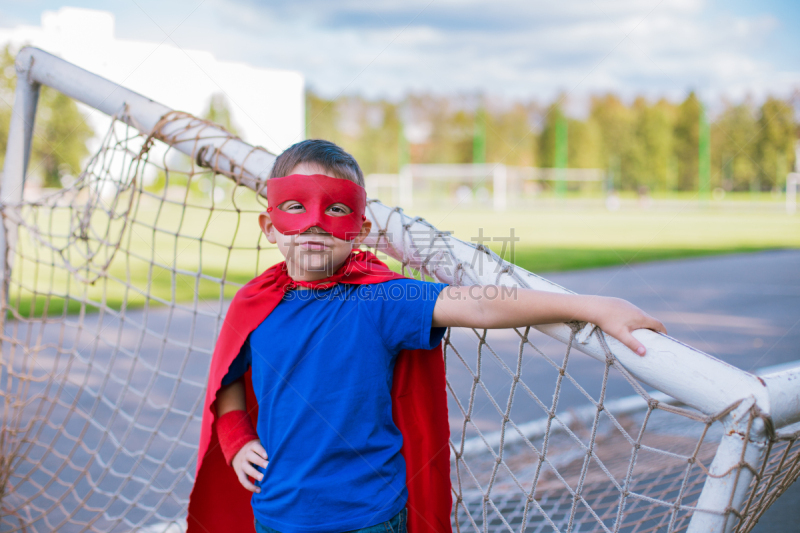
(323, 362)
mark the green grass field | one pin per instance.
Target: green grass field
(570, 239)
(156, 267)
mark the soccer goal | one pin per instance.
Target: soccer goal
(114, 289)
(505, 180)
(791, 192)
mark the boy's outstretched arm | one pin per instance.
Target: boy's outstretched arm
(492, 306)
(231, 398)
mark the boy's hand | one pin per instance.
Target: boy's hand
(251, 454)
(619, 318)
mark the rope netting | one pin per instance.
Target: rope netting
(117, 286)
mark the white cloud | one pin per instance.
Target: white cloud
(513, 47)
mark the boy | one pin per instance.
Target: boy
(326, 456)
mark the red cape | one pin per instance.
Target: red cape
(219, 503)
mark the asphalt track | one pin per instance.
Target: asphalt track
(743, 309)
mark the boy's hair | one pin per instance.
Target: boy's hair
(324, 153)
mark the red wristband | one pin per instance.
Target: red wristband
(234, 430)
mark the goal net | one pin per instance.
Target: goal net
(115, 287)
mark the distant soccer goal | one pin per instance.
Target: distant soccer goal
(113, 293)
(791, 192)
(492, 183)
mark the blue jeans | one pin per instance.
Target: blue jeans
(397, 524)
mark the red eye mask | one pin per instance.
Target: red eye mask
(317, 193)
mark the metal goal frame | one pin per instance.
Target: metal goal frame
(681, 372)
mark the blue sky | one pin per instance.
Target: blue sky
(511, 48)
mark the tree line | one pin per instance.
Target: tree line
(641, 143)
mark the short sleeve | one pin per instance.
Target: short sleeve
(239, 365)
(402, 312)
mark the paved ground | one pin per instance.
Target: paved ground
(742, 309)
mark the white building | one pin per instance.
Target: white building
(268, 106)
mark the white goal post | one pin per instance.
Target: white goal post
(753, 410)
(502, 177)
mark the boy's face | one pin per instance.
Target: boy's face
(313, 254)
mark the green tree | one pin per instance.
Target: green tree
(585, 144)
(60, 131)
(509, 138)
(616, 122)
(8, 82)
(653, 133)
(547, 137)
(320, 117)
(451, 130)
(219, 112)
(687, 138)
(369, 130)
(376, 147)
(775, 145)
(733, 147)
(59, 138)
(479, 136)
(654, 144)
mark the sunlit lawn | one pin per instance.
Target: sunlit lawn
(569, 239)
(157, 268)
